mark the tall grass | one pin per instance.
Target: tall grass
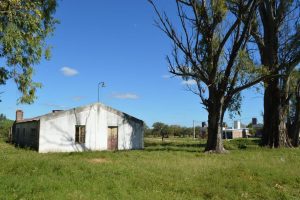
(174, 169)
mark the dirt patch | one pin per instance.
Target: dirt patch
(98, 160)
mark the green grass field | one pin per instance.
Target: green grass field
(175, 169)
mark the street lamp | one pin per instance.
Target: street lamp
(102, 85)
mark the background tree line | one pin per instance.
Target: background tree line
(160, 129)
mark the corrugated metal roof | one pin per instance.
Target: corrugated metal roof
(110, 109)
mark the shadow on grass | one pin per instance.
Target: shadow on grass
(165, 144)
(172, 146)
(235, 144)
(174, 149)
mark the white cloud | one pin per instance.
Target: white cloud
(55, 106)
(78, 98)
(125, 96)
(67, 71)
(189, 82)
(166, 76)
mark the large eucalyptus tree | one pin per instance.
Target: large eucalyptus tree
(276, 31)
(210, 47)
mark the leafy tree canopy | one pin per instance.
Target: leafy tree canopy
(24, 27)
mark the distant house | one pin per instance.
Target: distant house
(238, 131)
(235, 133)
(93, 127)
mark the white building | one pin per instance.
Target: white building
(236, 124)
(93, 127)
(238, 131)
(229, 133)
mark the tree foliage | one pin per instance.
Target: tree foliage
(5, 126)
(2, 117)
(24, 27)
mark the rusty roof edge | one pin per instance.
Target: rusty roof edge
(108, 108)
(28, 120)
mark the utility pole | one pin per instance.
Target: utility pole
(194, 129)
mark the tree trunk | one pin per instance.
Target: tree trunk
(275, 132)
(215, 120)
(271, 114)
(284, 140)
(275, 112)
(295, 127)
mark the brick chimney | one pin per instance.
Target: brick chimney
(19, 115)
(56, 111)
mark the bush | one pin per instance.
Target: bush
(5, 126)
(229, 146)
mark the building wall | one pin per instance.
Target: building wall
(57, 130)
(26, 134)
(235, 133)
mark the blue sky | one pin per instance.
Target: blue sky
(115, 42)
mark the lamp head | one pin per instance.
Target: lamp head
(102, 84)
